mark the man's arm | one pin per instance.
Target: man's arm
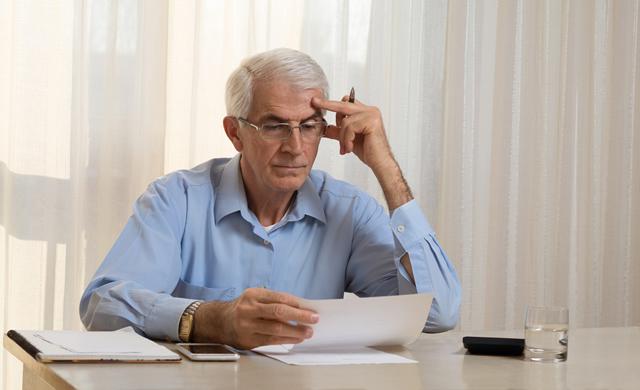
(397, 193)
(360, 130)
(133, 284)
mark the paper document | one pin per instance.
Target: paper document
(346, 326)
(332, 356)
(121, 345)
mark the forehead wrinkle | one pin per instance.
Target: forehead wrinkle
(283, 102)
(272, 116)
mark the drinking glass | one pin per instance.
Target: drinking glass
(546, 332)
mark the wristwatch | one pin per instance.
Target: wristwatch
(186, 322)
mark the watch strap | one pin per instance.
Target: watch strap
(186, 322)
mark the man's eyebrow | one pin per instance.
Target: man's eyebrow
(272, 117)
(317, 115)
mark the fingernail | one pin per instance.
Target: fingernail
(308, 333)
(314, 318)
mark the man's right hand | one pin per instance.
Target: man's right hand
(257, 317)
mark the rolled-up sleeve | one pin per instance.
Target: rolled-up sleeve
(433, 272)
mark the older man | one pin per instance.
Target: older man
(220, 253)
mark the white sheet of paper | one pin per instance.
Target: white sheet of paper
(367, 322)
(333, 356)
(347, 326)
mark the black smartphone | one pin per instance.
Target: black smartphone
(493, 345)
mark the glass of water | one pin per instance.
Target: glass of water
(546, 332)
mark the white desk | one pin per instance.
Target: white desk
(599, 358)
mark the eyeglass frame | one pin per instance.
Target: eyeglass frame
(261, 132)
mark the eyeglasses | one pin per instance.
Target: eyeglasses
(309, 131)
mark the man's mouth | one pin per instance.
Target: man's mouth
(290, 166)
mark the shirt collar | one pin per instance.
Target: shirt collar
(307, 202)
(231, 197)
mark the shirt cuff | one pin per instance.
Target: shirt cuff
(409, 225)
(164, 319)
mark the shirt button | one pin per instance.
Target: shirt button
(266, 242)
(400, 228)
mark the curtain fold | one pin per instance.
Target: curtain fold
(516, 124)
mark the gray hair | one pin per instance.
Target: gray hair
(288, 65)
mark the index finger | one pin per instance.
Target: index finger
(286, 313)
(270, 296)
(335, 106)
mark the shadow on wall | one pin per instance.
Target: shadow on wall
(40, 207)
(37, 208)
(75, 236)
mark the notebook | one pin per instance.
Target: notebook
(123, 345)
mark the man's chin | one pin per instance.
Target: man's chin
(288, 183)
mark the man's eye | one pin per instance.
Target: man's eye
(311, 126)
(275, 127)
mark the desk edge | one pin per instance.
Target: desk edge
(39, 369)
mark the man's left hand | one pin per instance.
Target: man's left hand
(359, 129)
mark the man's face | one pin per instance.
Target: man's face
(278, 166)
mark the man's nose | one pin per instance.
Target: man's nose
(293, 144)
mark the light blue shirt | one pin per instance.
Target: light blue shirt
(193, 237)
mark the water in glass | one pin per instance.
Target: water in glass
(546, 343)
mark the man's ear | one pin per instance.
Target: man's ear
(231, 127)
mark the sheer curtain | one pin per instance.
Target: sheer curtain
(516, 124)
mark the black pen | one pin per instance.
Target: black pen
(352, 95)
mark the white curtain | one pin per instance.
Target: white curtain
(517, 124)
